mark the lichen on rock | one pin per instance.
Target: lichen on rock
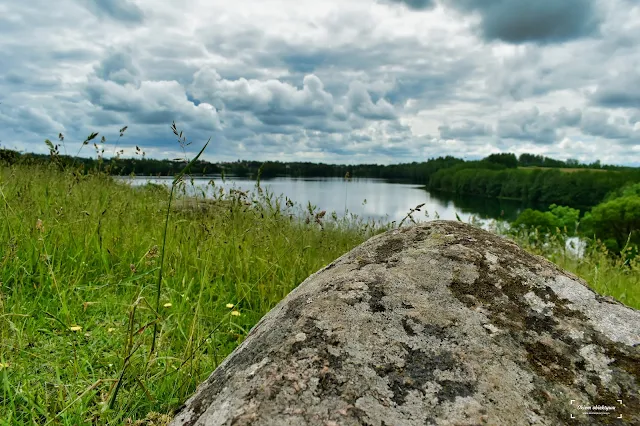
(441, 323)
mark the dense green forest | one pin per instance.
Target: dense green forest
(413, 172)
(532, 178)
(582, 188)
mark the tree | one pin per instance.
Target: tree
(561, 217)
(625, 191)
(566, 217)
(534, 219)
(506, 159)
(615, 222)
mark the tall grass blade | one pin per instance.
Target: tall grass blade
(164, 240)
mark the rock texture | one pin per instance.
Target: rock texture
(437, 324)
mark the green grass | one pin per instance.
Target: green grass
(79, 266)
(604, 275)
(607, 274)
(79, 274)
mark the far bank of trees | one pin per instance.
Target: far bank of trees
(532, 178)
(582, 188)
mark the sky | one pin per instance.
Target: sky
(333, 81)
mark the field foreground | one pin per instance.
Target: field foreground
(79, 264)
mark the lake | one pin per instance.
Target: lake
(375, 199)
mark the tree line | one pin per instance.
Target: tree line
(532, 178)
(582, 188)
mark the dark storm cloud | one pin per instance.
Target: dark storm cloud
(274, 129)
(38, 119)
(431, 86)
(351, 56)
(539, 21)
(23, 80)
(328, 126)
(72, 55)
(415, 4)
(119, 67)
(307, 62)
(31, 66)
(621, 91)
(567, 118)
(533, 71)
(528, 125)
(119, 10)
(103, 118)
(464, 131)
(275, 119)
(394, 152)
(601, 124)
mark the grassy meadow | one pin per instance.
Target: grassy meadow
(79, 262)
(78, 274)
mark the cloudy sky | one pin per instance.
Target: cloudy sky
(338, 81)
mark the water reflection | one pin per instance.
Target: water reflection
(368, 198)
(486, 208)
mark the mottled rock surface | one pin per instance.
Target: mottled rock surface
(441, 324)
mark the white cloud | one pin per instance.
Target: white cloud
(364, 80)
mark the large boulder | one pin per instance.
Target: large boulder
(442, 324)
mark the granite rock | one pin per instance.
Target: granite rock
(437, 324)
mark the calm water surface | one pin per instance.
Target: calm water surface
(368, 198)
